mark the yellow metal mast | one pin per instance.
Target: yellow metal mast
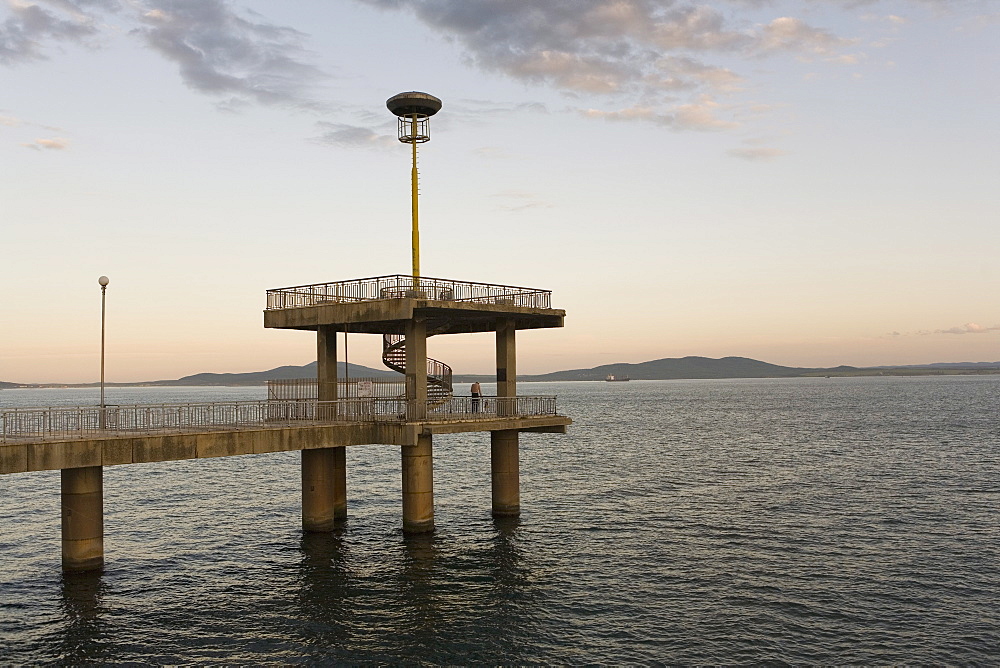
(415, 236)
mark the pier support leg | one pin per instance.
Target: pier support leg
(324, 471)
(506, 474)
(324, 489)
(504, 454)
(83, 519)
(418, 486)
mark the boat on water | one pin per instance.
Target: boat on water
(612, 378)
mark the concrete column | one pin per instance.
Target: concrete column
(324, 498)
(506, 359)
(418, 486)
(326, 362)
(504, 446)
(324, 471)
(83, 519)
(416, 369)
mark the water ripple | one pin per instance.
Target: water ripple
(761, 521)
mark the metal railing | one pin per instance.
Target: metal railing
(79, 422)
(400, 286)
(465, 408)
(299, 389)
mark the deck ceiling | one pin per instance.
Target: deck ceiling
(389, 316)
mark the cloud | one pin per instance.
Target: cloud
(657, 61)
(54, 144)
(756, 153)
(29, 25)
(790, 34)
(847, 59)
(640, 54)
(352, 136)
(699, 115)
(219, 51)
(968, 328)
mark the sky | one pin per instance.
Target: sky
(804, 182)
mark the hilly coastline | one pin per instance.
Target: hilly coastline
(671, 368)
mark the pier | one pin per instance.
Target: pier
(319, 422)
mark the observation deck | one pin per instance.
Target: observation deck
(384, 304)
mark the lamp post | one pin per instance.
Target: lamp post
(414, 110)
(103, 281)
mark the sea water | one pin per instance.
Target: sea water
(834, 521)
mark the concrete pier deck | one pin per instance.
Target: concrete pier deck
(59, 451)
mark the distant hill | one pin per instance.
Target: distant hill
(672, 368)
(947, 365)
(669, 368)
(278, 373)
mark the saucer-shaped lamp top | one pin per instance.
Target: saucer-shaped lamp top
(413, 103)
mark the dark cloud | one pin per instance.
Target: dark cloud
(220, 51)
(656, 61)
(645, 53)
(28, 27)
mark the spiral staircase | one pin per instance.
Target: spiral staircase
(439, 388)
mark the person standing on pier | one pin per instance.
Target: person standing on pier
(476, 393)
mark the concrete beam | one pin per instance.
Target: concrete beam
(542, 422)
(389, 316)
(119, 450)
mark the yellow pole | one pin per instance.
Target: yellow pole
(413, 195)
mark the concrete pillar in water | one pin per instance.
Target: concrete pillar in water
(324, 471)
(504, 446)
(505, 473)
(324, 502)
(83, 519)
(417, 460)
(418, 486)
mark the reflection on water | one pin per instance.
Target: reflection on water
(426, 595)
(83, 640)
